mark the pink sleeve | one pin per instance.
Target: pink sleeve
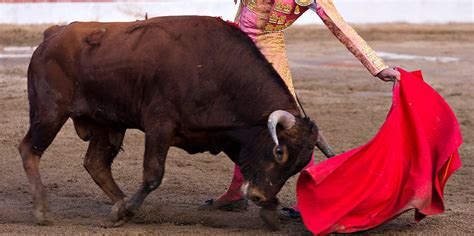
(348, 36)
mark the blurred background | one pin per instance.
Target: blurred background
(354, 11)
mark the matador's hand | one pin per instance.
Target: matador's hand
(389, 74)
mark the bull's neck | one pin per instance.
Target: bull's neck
(260, 92)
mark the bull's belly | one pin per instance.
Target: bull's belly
(105, 115)
(197, 142)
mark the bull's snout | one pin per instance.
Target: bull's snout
(255, 194)
(257, 197)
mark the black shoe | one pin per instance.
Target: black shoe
(289, 214)
(237, 205)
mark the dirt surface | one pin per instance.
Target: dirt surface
(336, 91)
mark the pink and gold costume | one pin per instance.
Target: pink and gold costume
(264, 21)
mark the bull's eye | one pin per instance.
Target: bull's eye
(280, 153)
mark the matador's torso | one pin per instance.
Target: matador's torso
(276, 15)
(258, 18)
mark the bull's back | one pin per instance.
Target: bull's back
(118, 68)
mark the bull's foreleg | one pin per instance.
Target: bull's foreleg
(156, 148)
(268, 214)
(103, 148)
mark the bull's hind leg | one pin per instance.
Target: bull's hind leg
(103, 148)
(40, 135)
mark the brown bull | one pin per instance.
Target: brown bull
(195, 83)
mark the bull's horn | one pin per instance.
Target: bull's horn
(284, 118)
(323, 145)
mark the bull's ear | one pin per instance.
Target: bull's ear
(280, 154)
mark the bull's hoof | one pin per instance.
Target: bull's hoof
(118, 223)
(42, 218)
(119, 213)
(44, 222)
(270, 217)
(109, 224)
(212, 205)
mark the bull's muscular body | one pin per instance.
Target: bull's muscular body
(190, 82)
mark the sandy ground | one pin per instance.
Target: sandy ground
(336, 91)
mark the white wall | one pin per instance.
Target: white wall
(354, 11)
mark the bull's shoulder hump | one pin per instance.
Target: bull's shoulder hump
(174, 21)
(74, 27)
(51, 31)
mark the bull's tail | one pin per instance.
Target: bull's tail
(324, 146)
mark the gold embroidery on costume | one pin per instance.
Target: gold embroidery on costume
(304, 3)
(251, 5)
(268, 28)
(273, 18)
(372, 57)
(283, 13)
(283, 7)
(273, 47)
(281, 20)
(297, 10)
(276, 19)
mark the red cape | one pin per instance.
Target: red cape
(405, 166)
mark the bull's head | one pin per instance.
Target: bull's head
(274, 155)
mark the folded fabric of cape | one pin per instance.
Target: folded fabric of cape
(405, 166)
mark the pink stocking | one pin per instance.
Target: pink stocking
(233, 193)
